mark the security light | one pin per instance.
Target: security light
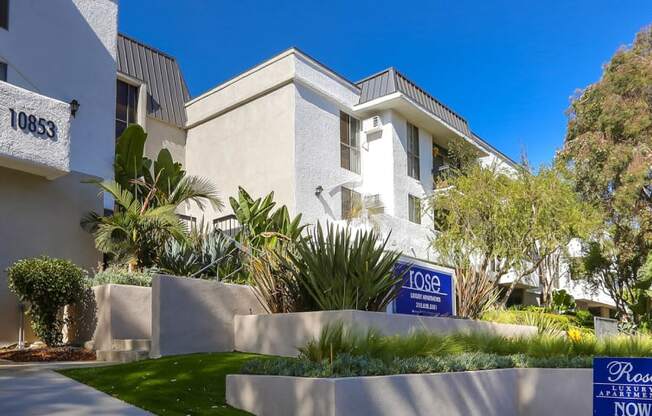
(74, 106)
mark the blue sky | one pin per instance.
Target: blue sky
(508, 67)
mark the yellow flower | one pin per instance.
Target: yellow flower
(574, 335)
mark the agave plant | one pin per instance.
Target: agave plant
(341, 271)
(204, 253)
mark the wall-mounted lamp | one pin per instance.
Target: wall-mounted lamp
(319, 190)
(74, 107)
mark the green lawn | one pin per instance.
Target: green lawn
(179, 385)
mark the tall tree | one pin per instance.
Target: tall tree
(495, 224)
(608, 149)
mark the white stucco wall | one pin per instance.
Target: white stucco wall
(317, 162)
(65, 49)
(377, 161)
(161, 135)
(251, 145)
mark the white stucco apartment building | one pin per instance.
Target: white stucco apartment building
(70, 82)
(293, 126)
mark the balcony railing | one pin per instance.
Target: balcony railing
(228, 224)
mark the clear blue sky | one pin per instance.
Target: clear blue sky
(508, 67)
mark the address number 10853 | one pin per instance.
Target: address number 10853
(32, 124)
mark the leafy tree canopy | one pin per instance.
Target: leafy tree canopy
(608, 149)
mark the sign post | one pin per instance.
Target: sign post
(622, 386)
(427, 289)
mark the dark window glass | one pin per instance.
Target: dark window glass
(414, 209)
(413, 151)
(3, 71)
(4, 14)
(351, 201)
(126, 106)
(350, 142)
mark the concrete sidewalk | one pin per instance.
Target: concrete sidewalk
(33, 390)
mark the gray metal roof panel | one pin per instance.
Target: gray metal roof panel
(166, 89)
(390, 81)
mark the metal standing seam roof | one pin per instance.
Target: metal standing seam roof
(166, 89)
(390, 81)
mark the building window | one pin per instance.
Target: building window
(3, 71)
(414, 209)
(351, 201)
(4, 14)
(350, 142)
(413, 151)
(126, 106)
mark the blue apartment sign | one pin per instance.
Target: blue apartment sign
(622, 386)
(426, 290)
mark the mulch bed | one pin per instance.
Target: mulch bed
(48, 354)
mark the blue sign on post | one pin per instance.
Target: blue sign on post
(622, 387)
(426, 290)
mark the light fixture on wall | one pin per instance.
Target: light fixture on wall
(319, 190)
(74, 107)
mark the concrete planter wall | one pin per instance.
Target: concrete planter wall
(112, 312)
(281, 334)
(194, 315)
(506, 392)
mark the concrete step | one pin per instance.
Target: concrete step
(131, 344)
(121, 356)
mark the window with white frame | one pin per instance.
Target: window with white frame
(351, 202)
(350, 142)
(414, 209)
(413, 151)
(4, 14)
(126, 109)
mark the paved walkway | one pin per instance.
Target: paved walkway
(37, 390)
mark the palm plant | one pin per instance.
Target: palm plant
(135, 230)
(147, 195)
(338, 271)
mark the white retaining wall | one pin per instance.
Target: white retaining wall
(281, 334)
(195, 315)
(506, 392)
(110, 312)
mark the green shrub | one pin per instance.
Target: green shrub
(335, 339)
(531, 315)
(347, 365)
(341, 271)
(121, 276)
(562, 301)
(46, 285)
(583, 318)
